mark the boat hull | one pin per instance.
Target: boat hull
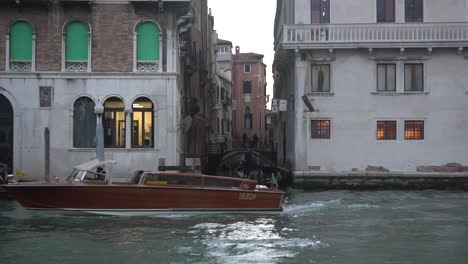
(143, 200)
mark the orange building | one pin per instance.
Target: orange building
(250, 96)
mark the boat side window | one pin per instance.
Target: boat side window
(220, 182)
(181, 180)
(99, 175)
(90, 176)
(157, 179)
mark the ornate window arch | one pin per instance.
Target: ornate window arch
(148, 47)
(142, 123)
(77, 47)
(114, 123)
(84, 123)
(21, 47)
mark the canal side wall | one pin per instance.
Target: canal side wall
(380, 181)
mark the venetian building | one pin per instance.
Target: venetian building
(60, 59)
(250, 96)
(371, 83)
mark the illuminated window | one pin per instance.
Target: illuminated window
(414, 130)
(386, 130)
(142, 123)
(114, 123)
(320, 129)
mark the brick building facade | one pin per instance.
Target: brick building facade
(250, 96)
(141, 65)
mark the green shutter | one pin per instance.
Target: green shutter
(148, 42)
(21, 41)
(77, 41)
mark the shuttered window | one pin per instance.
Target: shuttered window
(21, 41)
(148, 42)
(77, 42)
(414, 10)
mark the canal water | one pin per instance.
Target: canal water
(315, 227)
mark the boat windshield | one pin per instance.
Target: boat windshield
(84, 175)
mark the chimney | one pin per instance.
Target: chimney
(237, 50)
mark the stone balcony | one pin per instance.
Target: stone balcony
(376, 35)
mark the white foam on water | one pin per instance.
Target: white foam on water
(309, 207)
(259, 241)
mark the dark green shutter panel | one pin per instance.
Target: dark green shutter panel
(77, 41)
(21, 41)
(148, 42)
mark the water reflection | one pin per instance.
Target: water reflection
(262, 240)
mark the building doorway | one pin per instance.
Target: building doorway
(6, 133)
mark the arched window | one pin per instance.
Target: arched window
(142, 123)
(248, 118)
(114, 123)
(148, 47)
(21, 46)
(77, 47)
(84, 123)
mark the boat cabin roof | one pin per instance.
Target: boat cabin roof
(92, 164)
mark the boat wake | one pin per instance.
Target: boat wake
(258, 241)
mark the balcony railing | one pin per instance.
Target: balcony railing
(375, 35)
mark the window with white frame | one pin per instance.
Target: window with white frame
(414, 77)
(21, 45)
(148, 47)
(414, 129)
(77, 40)
(387, 130)
(142, 123)
(321, 78)
(247, 68)
(114, 123)
(320, 129)
(386, 77)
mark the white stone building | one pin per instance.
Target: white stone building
(221, 138)
(371, 83)
(138, 81)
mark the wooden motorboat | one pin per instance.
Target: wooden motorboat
(90, 189)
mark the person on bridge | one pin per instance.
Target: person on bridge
(244, 139)
(255, 141)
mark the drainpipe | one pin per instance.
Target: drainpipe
(99, 110)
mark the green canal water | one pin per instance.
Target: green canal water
(315, 227)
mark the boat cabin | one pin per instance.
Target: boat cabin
(93, 172)
(100, 172)
(199, 180)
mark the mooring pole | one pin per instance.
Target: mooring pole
(47, 154)
(99, 110)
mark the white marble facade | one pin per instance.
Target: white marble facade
(353, 105)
